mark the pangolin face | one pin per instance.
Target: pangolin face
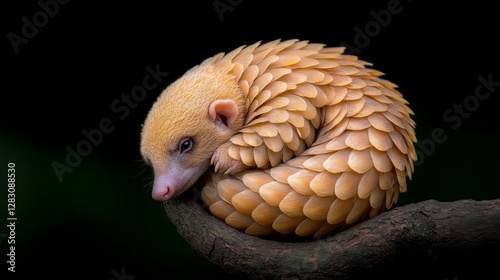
(177, 163)
(180, 134)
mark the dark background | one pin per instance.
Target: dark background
(101, 219)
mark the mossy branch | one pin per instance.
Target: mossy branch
(436, 240)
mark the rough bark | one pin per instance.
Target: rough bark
(436, 240)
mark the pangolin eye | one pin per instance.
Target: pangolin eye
(186, 145)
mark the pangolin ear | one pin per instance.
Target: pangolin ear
(223, 112)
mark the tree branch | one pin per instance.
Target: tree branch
(429, 239)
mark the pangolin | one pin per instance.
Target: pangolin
(287, 137)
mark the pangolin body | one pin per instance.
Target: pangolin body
(324, 142)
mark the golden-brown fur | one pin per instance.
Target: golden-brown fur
(181, 110)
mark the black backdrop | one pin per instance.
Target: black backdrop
(69, 67)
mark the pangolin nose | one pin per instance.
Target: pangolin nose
(162, 193)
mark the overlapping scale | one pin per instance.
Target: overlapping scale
(293, 203)
(308, 227)
(327, 141)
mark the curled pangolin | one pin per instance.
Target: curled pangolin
(290, 137)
